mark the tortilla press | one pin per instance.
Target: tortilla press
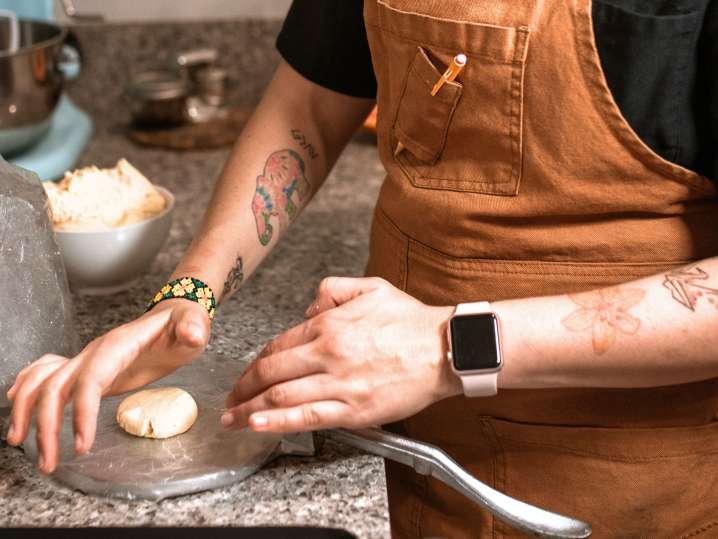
(209, 456)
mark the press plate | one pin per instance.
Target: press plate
(205, 457)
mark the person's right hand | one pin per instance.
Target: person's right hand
(172, 334)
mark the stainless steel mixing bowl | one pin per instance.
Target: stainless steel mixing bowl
(31, 80)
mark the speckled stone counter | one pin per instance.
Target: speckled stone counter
(339, 487)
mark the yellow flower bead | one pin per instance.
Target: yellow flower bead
(178, 291)
(185, 285)
(158, 297)
(166, 288)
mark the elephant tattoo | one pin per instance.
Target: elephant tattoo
(281, 188)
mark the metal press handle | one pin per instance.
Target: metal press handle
(430, 460)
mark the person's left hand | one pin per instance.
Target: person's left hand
(368, 354)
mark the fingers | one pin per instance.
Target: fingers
(284, 395)
(25, 395)
(46, 359)
(268, 371)
(306, 417)
(49, 423)
(293, 337)
(335, 291)
(50, 405)
(85, 408)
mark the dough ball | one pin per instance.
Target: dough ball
(157, 413)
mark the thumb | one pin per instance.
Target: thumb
(191, 325)
(335, 291)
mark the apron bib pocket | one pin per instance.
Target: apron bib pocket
(422, 119)
(450, 142)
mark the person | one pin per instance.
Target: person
(563, 176)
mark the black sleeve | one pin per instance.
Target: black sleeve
(325, 41)
(652, 66)
(707, 99)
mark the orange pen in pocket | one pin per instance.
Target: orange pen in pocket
(457, 64)
(455, 67)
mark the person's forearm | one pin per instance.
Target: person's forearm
(656, 331)
(282, 157)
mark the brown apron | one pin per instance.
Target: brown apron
(522, 178)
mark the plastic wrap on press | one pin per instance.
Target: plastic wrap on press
(205, 457)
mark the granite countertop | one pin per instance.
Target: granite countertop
(340, 487)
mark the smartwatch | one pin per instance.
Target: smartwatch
(475, 348)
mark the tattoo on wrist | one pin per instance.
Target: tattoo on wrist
(281, 190)
(605, 314)
(234, 279)
(683, 283)
(302, 141)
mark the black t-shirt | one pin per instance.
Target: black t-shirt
(660, 58)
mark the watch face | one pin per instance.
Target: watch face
(475, 342)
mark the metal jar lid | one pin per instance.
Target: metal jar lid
(158, 85)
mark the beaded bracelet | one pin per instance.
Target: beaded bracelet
(187, 288)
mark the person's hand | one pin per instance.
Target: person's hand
(129, 356)
(368, 354)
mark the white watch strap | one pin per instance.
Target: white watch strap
(480, 385)
(479, 307)
(477, 385)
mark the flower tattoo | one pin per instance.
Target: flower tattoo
(605, 313)
(282, 179)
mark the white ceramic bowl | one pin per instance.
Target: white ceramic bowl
(109, 261)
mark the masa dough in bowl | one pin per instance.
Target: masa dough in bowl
(157, 413)
(92, 199)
